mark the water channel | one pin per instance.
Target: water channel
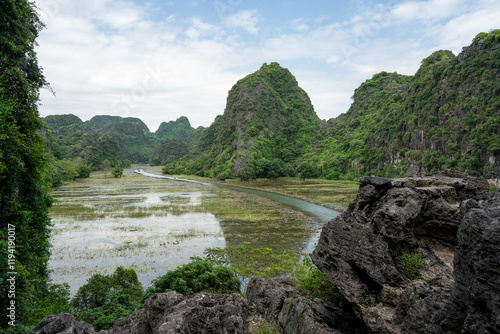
(154, 223)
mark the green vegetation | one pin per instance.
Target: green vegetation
(247, 261)
(99, 287)
(195, 277)
(446, 115)
(335, 194)
(104, 299)
(117, 171)
(368, 300)
(313, 283)
(412, 262)
(24, 203)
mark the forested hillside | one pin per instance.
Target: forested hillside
(446, 115)
(268, 125)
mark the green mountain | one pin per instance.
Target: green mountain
(107, 141)
(268, 125)
(113, 138)
(446, 115)
(176, 139)
(170, 150)
(179, 129)
(98, 122)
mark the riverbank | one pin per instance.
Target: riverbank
(333, 194)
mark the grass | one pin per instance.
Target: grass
(334, 194)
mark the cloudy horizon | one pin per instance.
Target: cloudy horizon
(159, 60)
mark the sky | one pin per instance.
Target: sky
(159, 60)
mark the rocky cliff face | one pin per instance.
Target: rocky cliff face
(267, 116)
(394, 248)
(474, 303)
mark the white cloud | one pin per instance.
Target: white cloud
(246, 19)
(430, 10)
(98, 55)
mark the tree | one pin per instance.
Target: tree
(117, 171)
(84, 172)
(24, 201)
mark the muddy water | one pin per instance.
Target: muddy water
(154, 225)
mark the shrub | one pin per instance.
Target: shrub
(412, 262)
(195, 277)
(54, 300)
(117, 171)
(95, 293)
(115, 307)
(313, 283)
(84, 172)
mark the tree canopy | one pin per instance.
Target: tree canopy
(24, 201)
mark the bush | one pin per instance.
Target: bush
(117, 171)
(52, 301)
(115, 307)
(313, 283)
(84, 172)
(412, 262)
(95, 293)
(195, 277)
(493, 187)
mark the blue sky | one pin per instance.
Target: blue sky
(159, 60)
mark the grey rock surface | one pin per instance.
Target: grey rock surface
(277, 299)
(172, 312)
(62, 323)
(474, 303)
(360, 251)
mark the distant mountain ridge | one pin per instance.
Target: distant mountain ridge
(446, 115)
(121, 140)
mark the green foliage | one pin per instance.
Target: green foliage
(84, 172)
(53, 301)
(313, 283)
(412, 262)
(266, 328)
(368, 300)
(194, 277)
(99, 287)
(247, 261)
(117, 171)
(168, 151)
(488, 39)
(24, 201)
(115, 307)
(493, 187)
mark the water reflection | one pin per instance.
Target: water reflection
(154, 225)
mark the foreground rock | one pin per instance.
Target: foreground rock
(278, 300)
(361, 250)
(166, 313)
(474, 304)
(62, 323)
(173, 312)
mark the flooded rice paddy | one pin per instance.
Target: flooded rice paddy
(154, 225)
